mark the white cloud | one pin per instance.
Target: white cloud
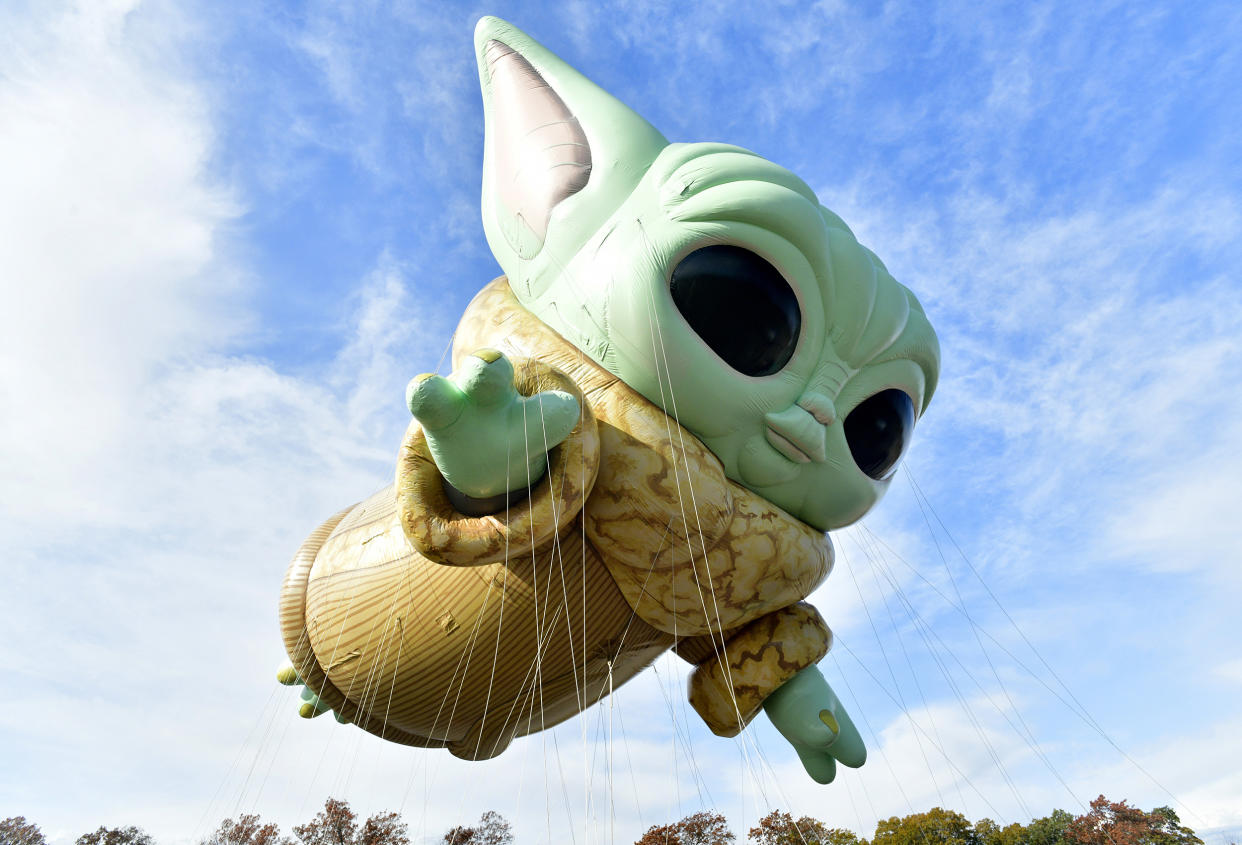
(109, 256)
(1231, 670)
(1088, 393)
(156, 479)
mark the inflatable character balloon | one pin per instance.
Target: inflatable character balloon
(690, 371)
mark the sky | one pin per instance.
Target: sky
(230, 233)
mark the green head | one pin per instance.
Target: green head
(708, 279)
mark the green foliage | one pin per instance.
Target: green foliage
(990, 833)
(1049, 830)
(1171, 828)
(1106, 823)
(937, 826)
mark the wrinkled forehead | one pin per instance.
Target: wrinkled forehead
(869, 317)
(720, 183)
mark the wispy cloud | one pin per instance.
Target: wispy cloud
(110, 255)
(224, 260)
(154, 473)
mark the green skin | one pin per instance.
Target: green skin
(597, 271)
(486, 438)
(476, 419)
(805, 710)
(477, 424)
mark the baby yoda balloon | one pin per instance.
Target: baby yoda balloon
(690, 371)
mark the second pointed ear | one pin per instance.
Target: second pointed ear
(553, 137)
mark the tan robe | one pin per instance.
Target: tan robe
(431, 628)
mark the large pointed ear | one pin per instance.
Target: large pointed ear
(560, 153)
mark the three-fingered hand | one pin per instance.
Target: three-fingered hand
(486, 438)
(808, 713)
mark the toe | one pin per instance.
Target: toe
(487, 377)
(819, 765)
(433, 400)
(849, 747)
(287, 675)
(312, 706)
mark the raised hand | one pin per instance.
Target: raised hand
(808, 713)
(487, 439)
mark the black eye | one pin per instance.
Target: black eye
(878, 431)
(740, 305)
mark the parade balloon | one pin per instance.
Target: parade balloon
(689, 372)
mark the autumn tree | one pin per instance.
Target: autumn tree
(17, 831)
(779, 828)
(337, 824)
(116, 836)
(935, 827)
(703, 828)
(384, 829)
(990, 833)
(246, 829)
(492, 829)
(1118, 823)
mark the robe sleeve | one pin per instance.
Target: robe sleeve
(729, 685)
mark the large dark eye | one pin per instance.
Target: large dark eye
(740, 305)
(878, 431)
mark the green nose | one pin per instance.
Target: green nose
(795, 433)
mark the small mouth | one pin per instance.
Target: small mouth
(786, 447)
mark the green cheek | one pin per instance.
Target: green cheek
(761, 466)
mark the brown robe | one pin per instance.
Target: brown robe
(430, 628)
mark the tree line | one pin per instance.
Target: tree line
(1105, 823)
(336, 824)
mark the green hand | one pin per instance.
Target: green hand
(807, 713)
(487, 439)
(311, 705)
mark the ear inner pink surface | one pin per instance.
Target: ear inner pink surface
(542, 155)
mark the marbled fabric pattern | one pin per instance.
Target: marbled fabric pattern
(634, 541)
(756, 661)
(691, 550)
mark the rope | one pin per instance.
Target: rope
(1081, 710)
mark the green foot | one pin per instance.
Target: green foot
(808, 713)
(311, 705)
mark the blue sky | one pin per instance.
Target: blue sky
(232, 232)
